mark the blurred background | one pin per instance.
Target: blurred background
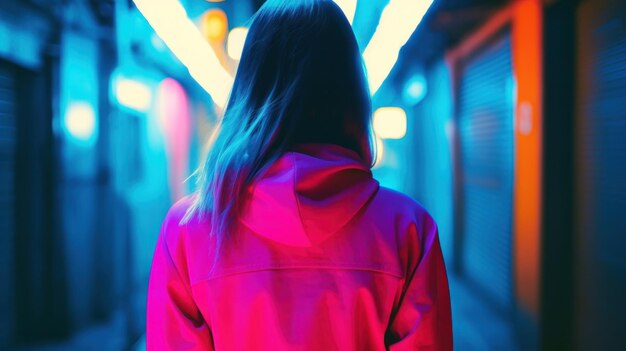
(506, 119)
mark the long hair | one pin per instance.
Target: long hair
(301, 79)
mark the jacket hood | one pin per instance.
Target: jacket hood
(308, 194)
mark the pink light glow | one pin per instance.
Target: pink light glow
(175, 120)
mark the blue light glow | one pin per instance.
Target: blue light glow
(415, 90)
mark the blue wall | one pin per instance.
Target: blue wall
(432, 169)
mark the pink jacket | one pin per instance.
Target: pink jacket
(328, 261)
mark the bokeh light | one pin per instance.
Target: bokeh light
(415, 90)
(80, 123)
(390, 123)
(133, 94)
(214, 25)
(236, 41)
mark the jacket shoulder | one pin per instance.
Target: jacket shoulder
(175, 219)
(180, 230)
(401, 204)
(408, 219)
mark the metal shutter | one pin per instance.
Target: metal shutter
(600, 159)
(485, 124)
(7, 215)
(602, 147)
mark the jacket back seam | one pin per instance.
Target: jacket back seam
(248, 270)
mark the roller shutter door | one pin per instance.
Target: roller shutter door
(485, 126)
(7, 216)
(600, 159)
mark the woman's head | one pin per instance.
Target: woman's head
(302, 66)
(300, 80)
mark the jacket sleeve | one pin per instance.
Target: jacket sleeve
(173, 319)
(422, 319)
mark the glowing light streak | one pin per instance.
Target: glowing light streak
(348, 7)
(169, 20)
(398, 21)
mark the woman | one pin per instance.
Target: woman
(289, 244)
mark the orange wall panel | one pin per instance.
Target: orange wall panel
(525, 19)
(527, 65)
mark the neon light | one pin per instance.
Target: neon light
(80, 122)
(171, 23)
(390, 123)
(236, 40)
(348, 7)
(398, 21)
(133, 94)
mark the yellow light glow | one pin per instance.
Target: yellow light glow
(236, 39)
(80, 122)
(133, 94)
(214, 25)
(390, 123)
